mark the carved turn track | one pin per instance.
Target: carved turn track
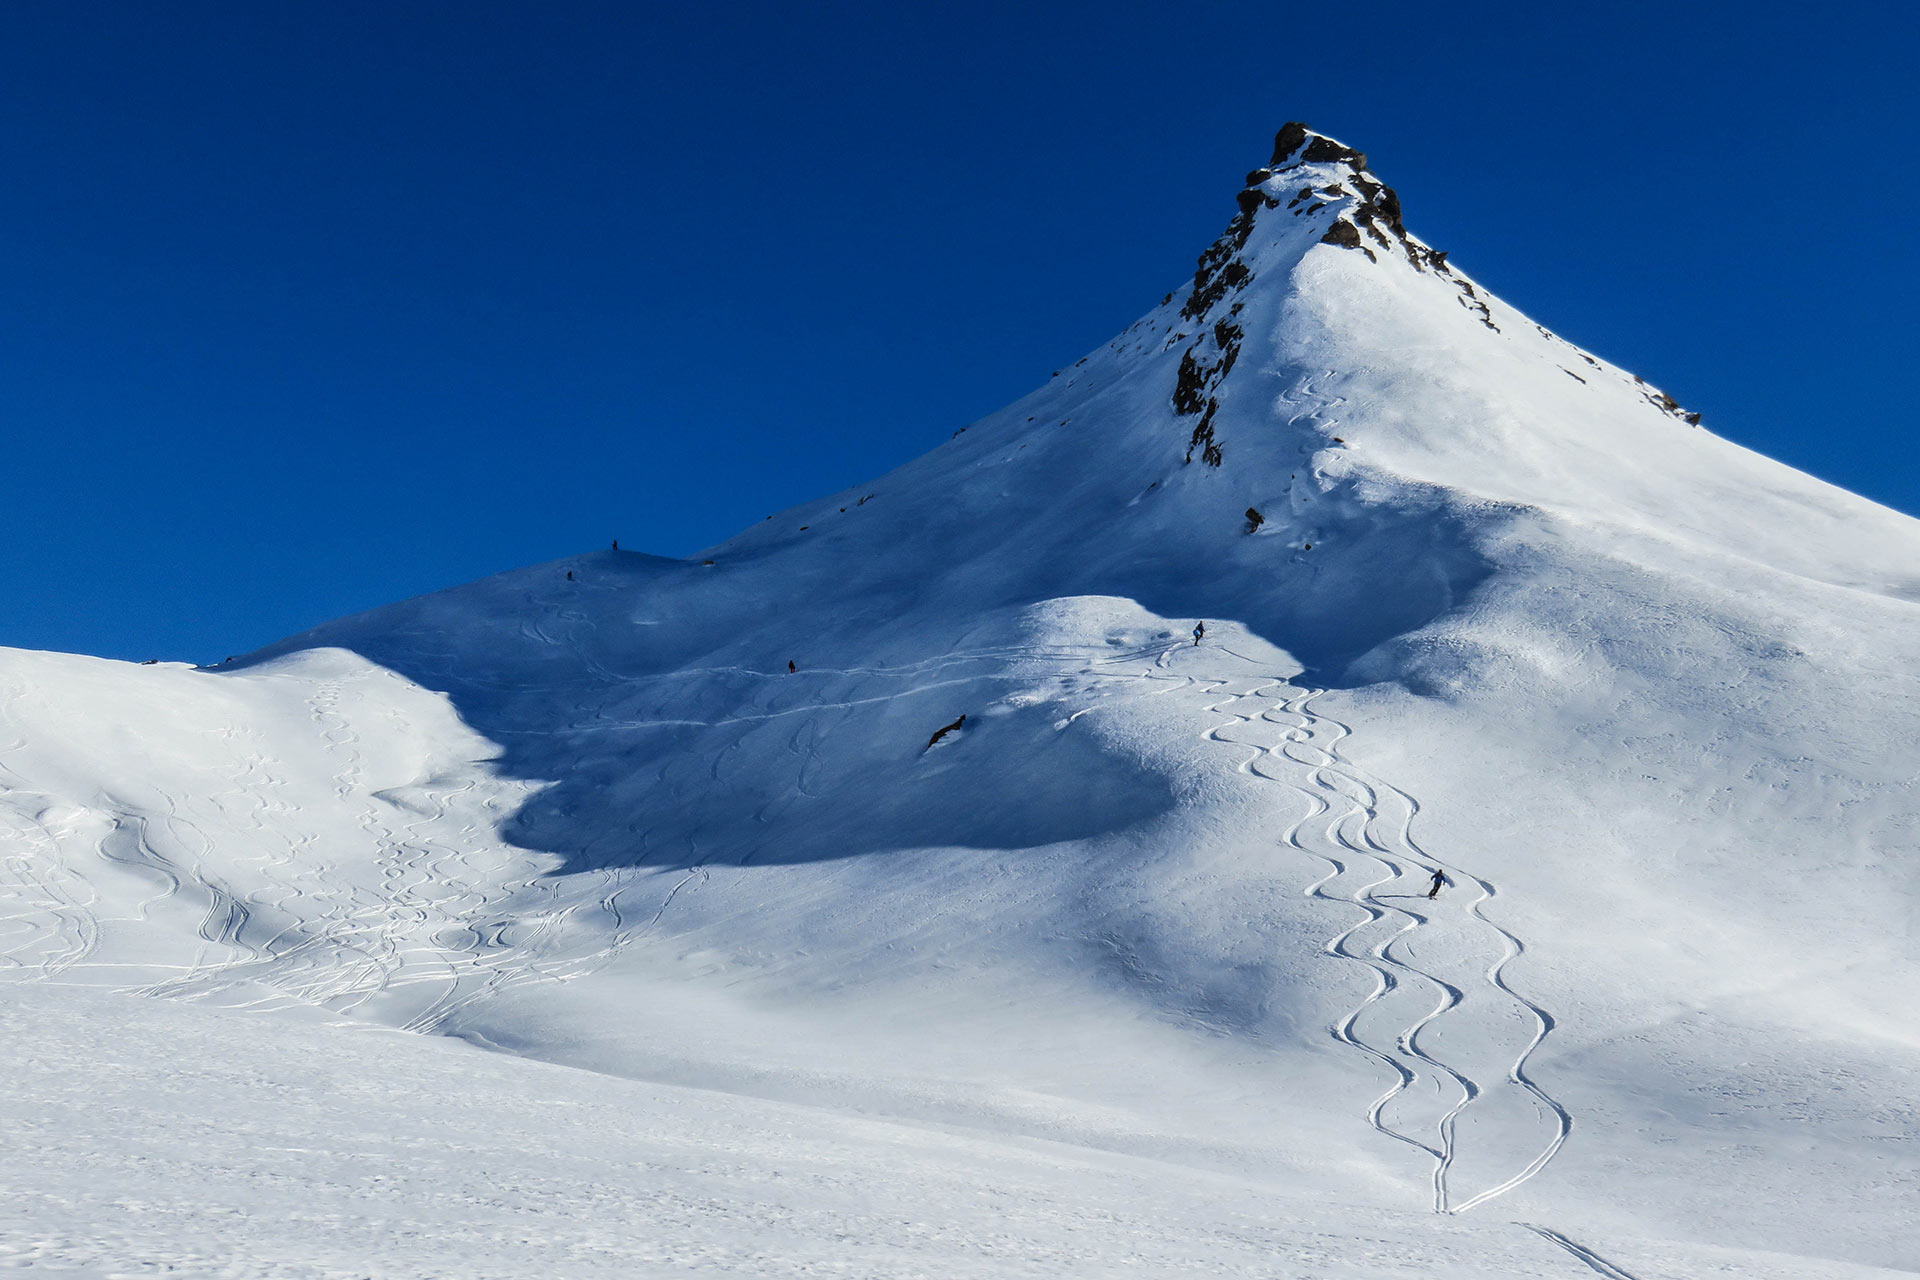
(1441, 1020)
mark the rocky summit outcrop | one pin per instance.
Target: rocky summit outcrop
(1314, 190)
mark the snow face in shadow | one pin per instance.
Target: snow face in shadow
(827, 761)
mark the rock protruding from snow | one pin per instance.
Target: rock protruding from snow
(1371, 208)
(1330, 174)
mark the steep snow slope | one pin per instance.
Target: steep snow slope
(1647, 699)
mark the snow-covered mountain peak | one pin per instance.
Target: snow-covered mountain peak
(1296, 137)
(1337, 740)
(1315, 190)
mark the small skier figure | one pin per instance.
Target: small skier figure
(616, 544)
(1199, 633)
(569, 575)
(1439, 879)
(790, 667)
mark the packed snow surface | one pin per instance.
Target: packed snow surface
(631, 916)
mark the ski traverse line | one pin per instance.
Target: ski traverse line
(618, 882)
(603, 724)
(1599, 1265)
(579, 623)
(1353, 815)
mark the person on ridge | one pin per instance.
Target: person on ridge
(1439, 878)
(790, 667)
(1199, 632)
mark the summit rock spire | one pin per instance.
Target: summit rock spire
(1328, 196)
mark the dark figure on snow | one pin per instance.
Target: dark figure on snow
(569, 575)
(1199, 632)
(1439, 879)
(616, 544)
(790, 667)
(944, 732)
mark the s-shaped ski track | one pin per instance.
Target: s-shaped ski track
(1440, 1015)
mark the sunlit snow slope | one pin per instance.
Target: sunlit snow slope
(1476, 603)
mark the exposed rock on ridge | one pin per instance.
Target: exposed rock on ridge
(1345, 205)
(1367, 217)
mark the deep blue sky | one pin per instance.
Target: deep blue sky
(306, 307)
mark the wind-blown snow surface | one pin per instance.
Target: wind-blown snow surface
(1133, 971)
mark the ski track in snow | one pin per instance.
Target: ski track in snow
(309, 829)
(443, 917)
(46, 927)
(1360, 828)
(440, 916)
(1594, 1262)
